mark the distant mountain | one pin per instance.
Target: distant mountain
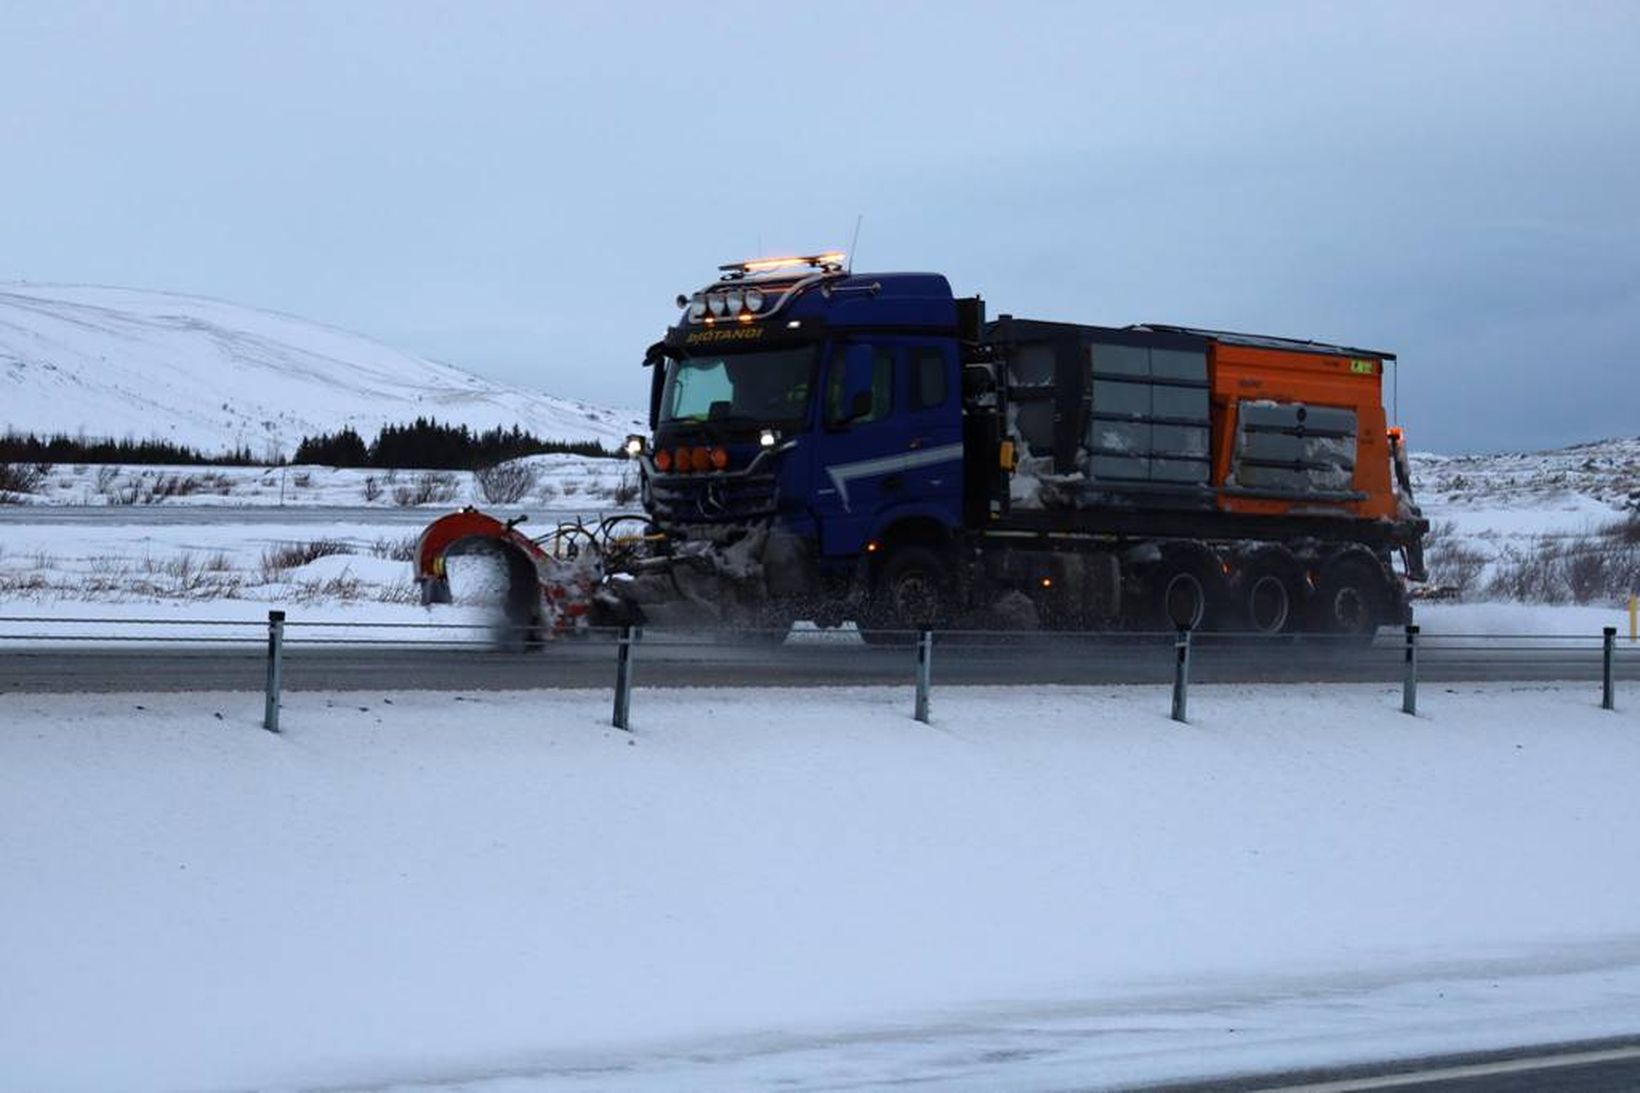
(115, 362)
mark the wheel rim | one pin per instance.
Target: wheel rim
(915, 599)
(1268, 604)
(1184, 600)
(1350, 612)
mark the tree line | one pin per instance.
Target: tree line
(430, 443)
(425, 442)
(18, 447)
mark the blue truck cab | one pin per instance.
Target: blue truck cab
(803, 418)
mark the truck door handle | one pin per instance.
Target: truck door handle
(892, 483)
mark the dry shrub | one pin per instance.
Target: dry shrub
(506, 483)
(17, 479)
(342, 587)
(395, 550)
(429, 487)
(1593, 569)
(400, 592)
(1452, 563)
(284, 556)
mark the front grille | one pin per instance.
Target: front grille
(711, 498)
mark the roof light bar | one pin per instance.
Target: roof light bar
(832, 259)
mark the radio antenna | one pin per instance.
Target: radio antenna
(855, 242)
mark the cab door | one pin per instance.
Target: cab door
(860, 445)
(933, 414)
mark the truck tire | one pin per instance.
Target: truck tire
(913, 593)
(1186, 588)
(1267, 594)
(1351, 598)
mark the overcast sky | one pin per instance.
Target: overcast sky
(523, 189)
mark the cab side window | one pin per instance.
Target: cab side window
(853, 375)
(928, 379)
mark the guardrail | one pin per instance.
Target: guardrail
(1144, 654)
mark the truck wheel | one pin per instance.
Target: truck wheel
(1351, 599)
(912, 594)
(1187, 588)
(1267, 594)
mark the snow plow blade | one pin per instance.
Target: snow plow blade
(546, 594)
(556, 584)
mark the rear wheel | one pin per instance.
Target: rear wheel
(1187, 589)
(1267, 594)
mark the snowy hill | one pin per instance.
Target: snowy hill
(120, 362)
(1559, 526)
(1603, 473)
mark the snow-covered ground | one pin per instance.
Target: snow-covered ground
(546, 482)
(1045, 889)
(119, 362)
(239, 552)
(151, 542)
(1558, 526)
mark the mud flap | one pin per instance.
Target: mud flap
(1415, 560)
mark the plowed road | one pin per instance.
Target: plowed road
(677, 660)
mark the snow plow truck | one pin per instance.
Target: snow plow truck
(836, 446)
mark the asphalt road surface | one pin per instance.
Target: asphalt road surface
(676, 659)
(1605, 1066)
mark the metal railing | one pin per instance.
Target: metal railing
(905, 656)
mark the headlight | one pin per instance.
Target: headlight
(715, 302)
(732, 301)
(768, 438)
(697, 306)
(633, 446)
(754, 300)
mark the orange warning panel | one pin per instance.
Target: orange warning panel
(1299, 432)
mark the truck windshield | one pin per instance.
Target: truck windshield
(767, 388)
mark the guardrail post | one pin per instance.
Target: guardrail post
(1181, 673)
(1608, 642)
(623, 677)
(276, 669)
(1409, 685)
(925, 657)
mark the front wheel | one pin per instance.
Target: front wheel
(913, 593)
